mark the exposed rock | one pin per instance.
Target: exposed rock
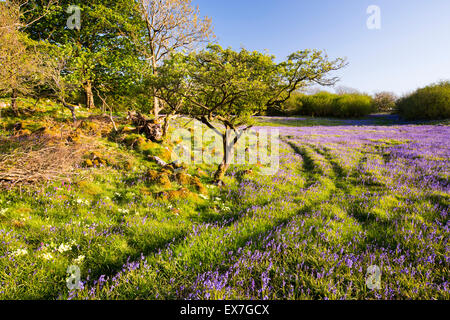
(152, 130)
(158, 160)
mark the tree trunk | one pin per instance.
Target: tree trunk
(14, 102)
(166, 124)
(156, 102)
(228, 146)
(70, 107)
(220, 173)
(156, 107)
(223, 167)
(89, 95)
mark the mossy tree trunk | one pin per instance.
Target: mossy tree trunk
(228, 146)
(220, 173)
(89, 95)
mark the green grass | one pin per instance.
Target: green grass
(309, 232)
(373, 120)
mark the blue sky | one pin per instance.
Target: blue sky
(412, 48)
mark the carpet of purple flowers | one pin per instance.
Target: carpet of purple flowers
(345, 197)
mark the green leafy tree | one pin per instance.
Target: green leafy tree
(101, 57)
(224, 89)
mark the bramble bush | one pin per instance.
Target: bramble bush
(431, 102)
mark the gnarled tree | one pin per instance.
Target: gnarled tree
(224, 89)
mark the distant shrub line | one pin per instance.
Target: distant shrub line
(325, 104)
(429, 103)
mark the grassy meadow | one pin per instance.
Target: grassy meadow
(347, 195)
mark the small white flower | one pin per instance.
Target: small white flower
(203, 196)
(79, 260)
(82, 201)
(19, 252)
(123, 210)
(47, 256)
(64, 247)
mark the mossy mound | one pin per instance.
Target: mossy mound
(160, 178)
(90, 127)
(152, 175)
(183, 178)
(147, 147)
(133, 139)
(95, 159)
(195, 181)
(127, 165)
(47, 132)
(182, 193)
(164, 180)
(75, 135)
